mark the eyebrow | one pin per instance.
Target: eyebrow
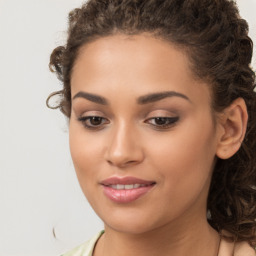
(91, 97)
(153, 97)
(146, 99)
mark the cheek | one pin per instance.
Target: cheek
(85, 155)
(187, 156)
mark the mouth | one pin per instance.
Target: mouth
(126, 189)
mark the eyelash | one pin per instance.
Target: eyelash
(85, 119)
(167, 122)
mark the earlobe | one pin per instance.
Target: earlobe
(233, 123)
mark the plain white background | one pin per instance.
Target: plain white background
(38, 187)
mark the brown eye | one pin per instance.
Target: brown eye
(93, 122)
(162, 122)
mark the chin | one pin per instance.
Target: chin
(133, 224)
(129, 228)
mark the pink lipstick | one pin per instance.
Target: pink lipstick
(126, 189)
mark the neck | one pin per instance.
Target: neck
(186, 239)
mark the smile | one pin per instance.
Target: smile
(126, 189)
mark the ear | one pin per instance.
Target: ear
(233, 123)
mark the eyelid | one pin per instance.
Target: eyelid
(85, 118)
(92, 113)
(161, 113)
(172, 119)
(94, 127)
(162, 122)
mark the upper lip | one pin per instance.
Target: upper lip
(125, 181)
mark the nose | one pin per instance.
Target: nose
(124, 148)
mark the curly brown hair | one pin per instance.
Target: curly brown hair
(215, 39)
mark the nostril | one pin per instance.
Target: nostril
(131, 162)
(122, 152)
(121, 163)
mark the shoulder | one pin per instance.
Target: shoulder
(243, 249)
(235, 249)
(86, 248)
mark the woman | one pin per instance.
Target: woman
(161, 108)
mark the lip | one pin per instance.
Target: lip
(125, 181)
(125, 195)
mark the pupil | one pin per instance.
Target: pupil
(160, 120)
(96, 120)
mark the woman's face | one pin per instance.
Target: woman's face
(142, 134)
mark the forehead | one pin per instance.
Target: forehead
(139, 63)
(144, 51)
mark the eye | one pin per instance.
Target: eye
(93, 122)
(162, 122)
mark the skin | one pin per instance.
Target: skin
(127, 141)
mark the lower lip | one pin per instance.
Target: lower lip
(126, 195)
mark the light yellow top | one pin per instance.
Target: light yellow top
(85, 249)
(226, 248)
(238, 249)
